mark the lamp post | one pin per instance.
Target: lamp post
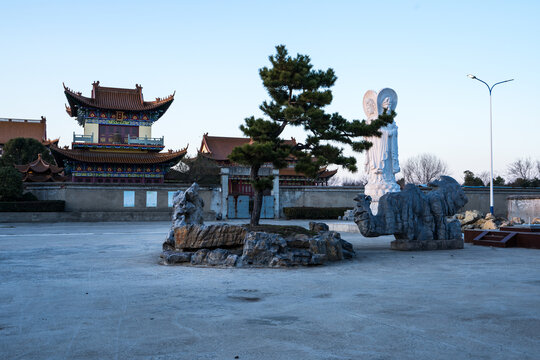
(490, 138)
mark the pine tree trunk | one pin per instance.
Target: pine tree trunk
(257, 198)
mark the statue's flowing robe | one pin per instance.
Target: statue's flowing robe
(383, 147)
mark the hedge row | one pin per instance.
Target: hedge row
(31, 206)
(314, 212)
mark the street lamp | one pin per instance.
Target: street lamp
(490, 138)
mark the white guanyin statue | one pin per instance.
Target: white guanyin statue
(382, 161)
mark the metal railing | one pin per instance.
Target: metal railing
(83, 138)
(145, 140)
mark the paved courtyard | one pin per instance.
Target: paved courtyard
(97, 291)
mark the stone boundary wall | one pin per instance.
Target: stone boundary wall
(105, 202)
(317, 196)
(526, 207)
(80, 197)
(479, 198)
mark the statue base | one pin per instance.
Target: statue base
(377, 189)
(415, 245)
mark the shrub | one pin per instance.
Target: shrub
(314, 212)
(32, 206)
(11, 187)
(24, 150)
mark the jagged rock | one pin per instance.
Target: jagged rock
(479, 223)
(348, 215)
(489, 225)
(187, 209)
(209, 237)
(199, 257)
(412, 215)
(175, 257)
(262, 249)
(318, 226)
(217, 257)
(517, 220)
(471, 216)
(231, 260)
(490, 216)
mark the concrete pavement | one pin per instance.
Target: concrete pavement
(96, 291)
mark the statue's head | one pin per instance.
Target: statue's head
(370, 105)
(386, 104)
(386, 100)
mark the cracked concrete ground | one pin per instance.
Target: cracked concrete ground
(96, 291)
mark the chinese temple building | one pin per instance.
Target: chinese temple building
(218, 149)
(41, 171)
(117, 144)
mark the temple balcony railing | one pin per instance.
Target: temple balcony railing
(83, 138)
(145, 141)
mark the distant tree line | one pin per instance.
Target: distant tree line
(424, 168)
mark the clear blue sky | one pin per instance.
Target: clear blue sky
(210, 53)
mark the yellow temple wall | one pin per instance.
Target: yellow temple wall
(145, 131)
(92, 128)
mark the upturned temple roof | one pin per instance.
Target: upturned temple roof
(219, 147)
(26, 128)
(110, 98)
(41, 171)
(116, 158)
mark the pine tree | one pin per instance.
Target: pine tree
(471, 180)
(21, 151)
(298, 95)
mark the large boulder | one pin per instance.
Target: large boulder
(471, 216)
(187, 209)
(412, 215)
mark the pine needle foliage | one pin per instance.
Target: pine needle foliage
(298, 96)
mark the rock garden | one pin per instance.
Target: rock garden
(191, 242)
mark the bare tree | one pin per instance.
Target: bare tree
(522, 169)
(347, 178)
(484, 176)
(423, 168)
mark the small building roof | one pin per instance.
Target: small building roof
(219, 147)
(110, 98)
(86, 156)
(41, 171)
(25, 128)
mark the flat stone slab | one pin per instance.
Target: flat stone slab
(209, 237)
(414, 245)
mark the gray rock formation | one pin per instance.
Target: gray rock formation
(187, 209)
(318, 226)
(257, 249)
(190, 241)
(414, 217)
